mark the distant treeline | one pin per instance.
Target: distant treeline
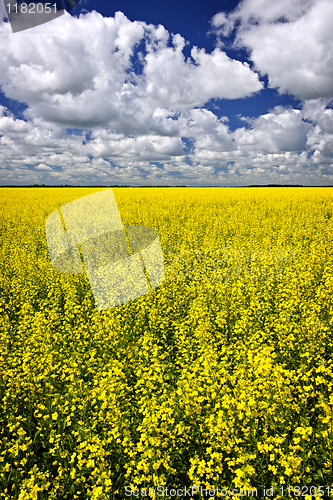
(126, 186)
(92, 186)
(280, 185)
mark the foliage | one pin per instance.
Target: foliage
(215, 378)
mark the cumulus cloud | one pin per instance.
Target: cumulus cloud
(259, 11)
(8, 125)
(223, 24)
(281, 146)
(206, 130)
(290, 41)
(149, 126)
(50, 76)
(175, 83)
(41, 166)
(280, 130)
(142, 148)
(319, 113)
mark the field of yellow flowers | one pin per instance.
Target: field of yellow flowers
(219, 378)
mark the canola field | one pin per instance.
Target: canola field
(216, 383)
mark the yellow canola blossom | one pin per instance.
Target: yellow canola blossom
(221, 377)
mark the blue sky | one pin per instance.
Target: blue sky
(224, 92)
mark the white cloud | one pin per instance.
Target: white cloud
(150, 148)
(43, 167)
(280, 130)
(177, 84)
(206, 130)
(258, 11)
(317, 112)
(49, 74)
(223, 24)
(296, 54)
(151, 128)
(278, 147)
(8, 125)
